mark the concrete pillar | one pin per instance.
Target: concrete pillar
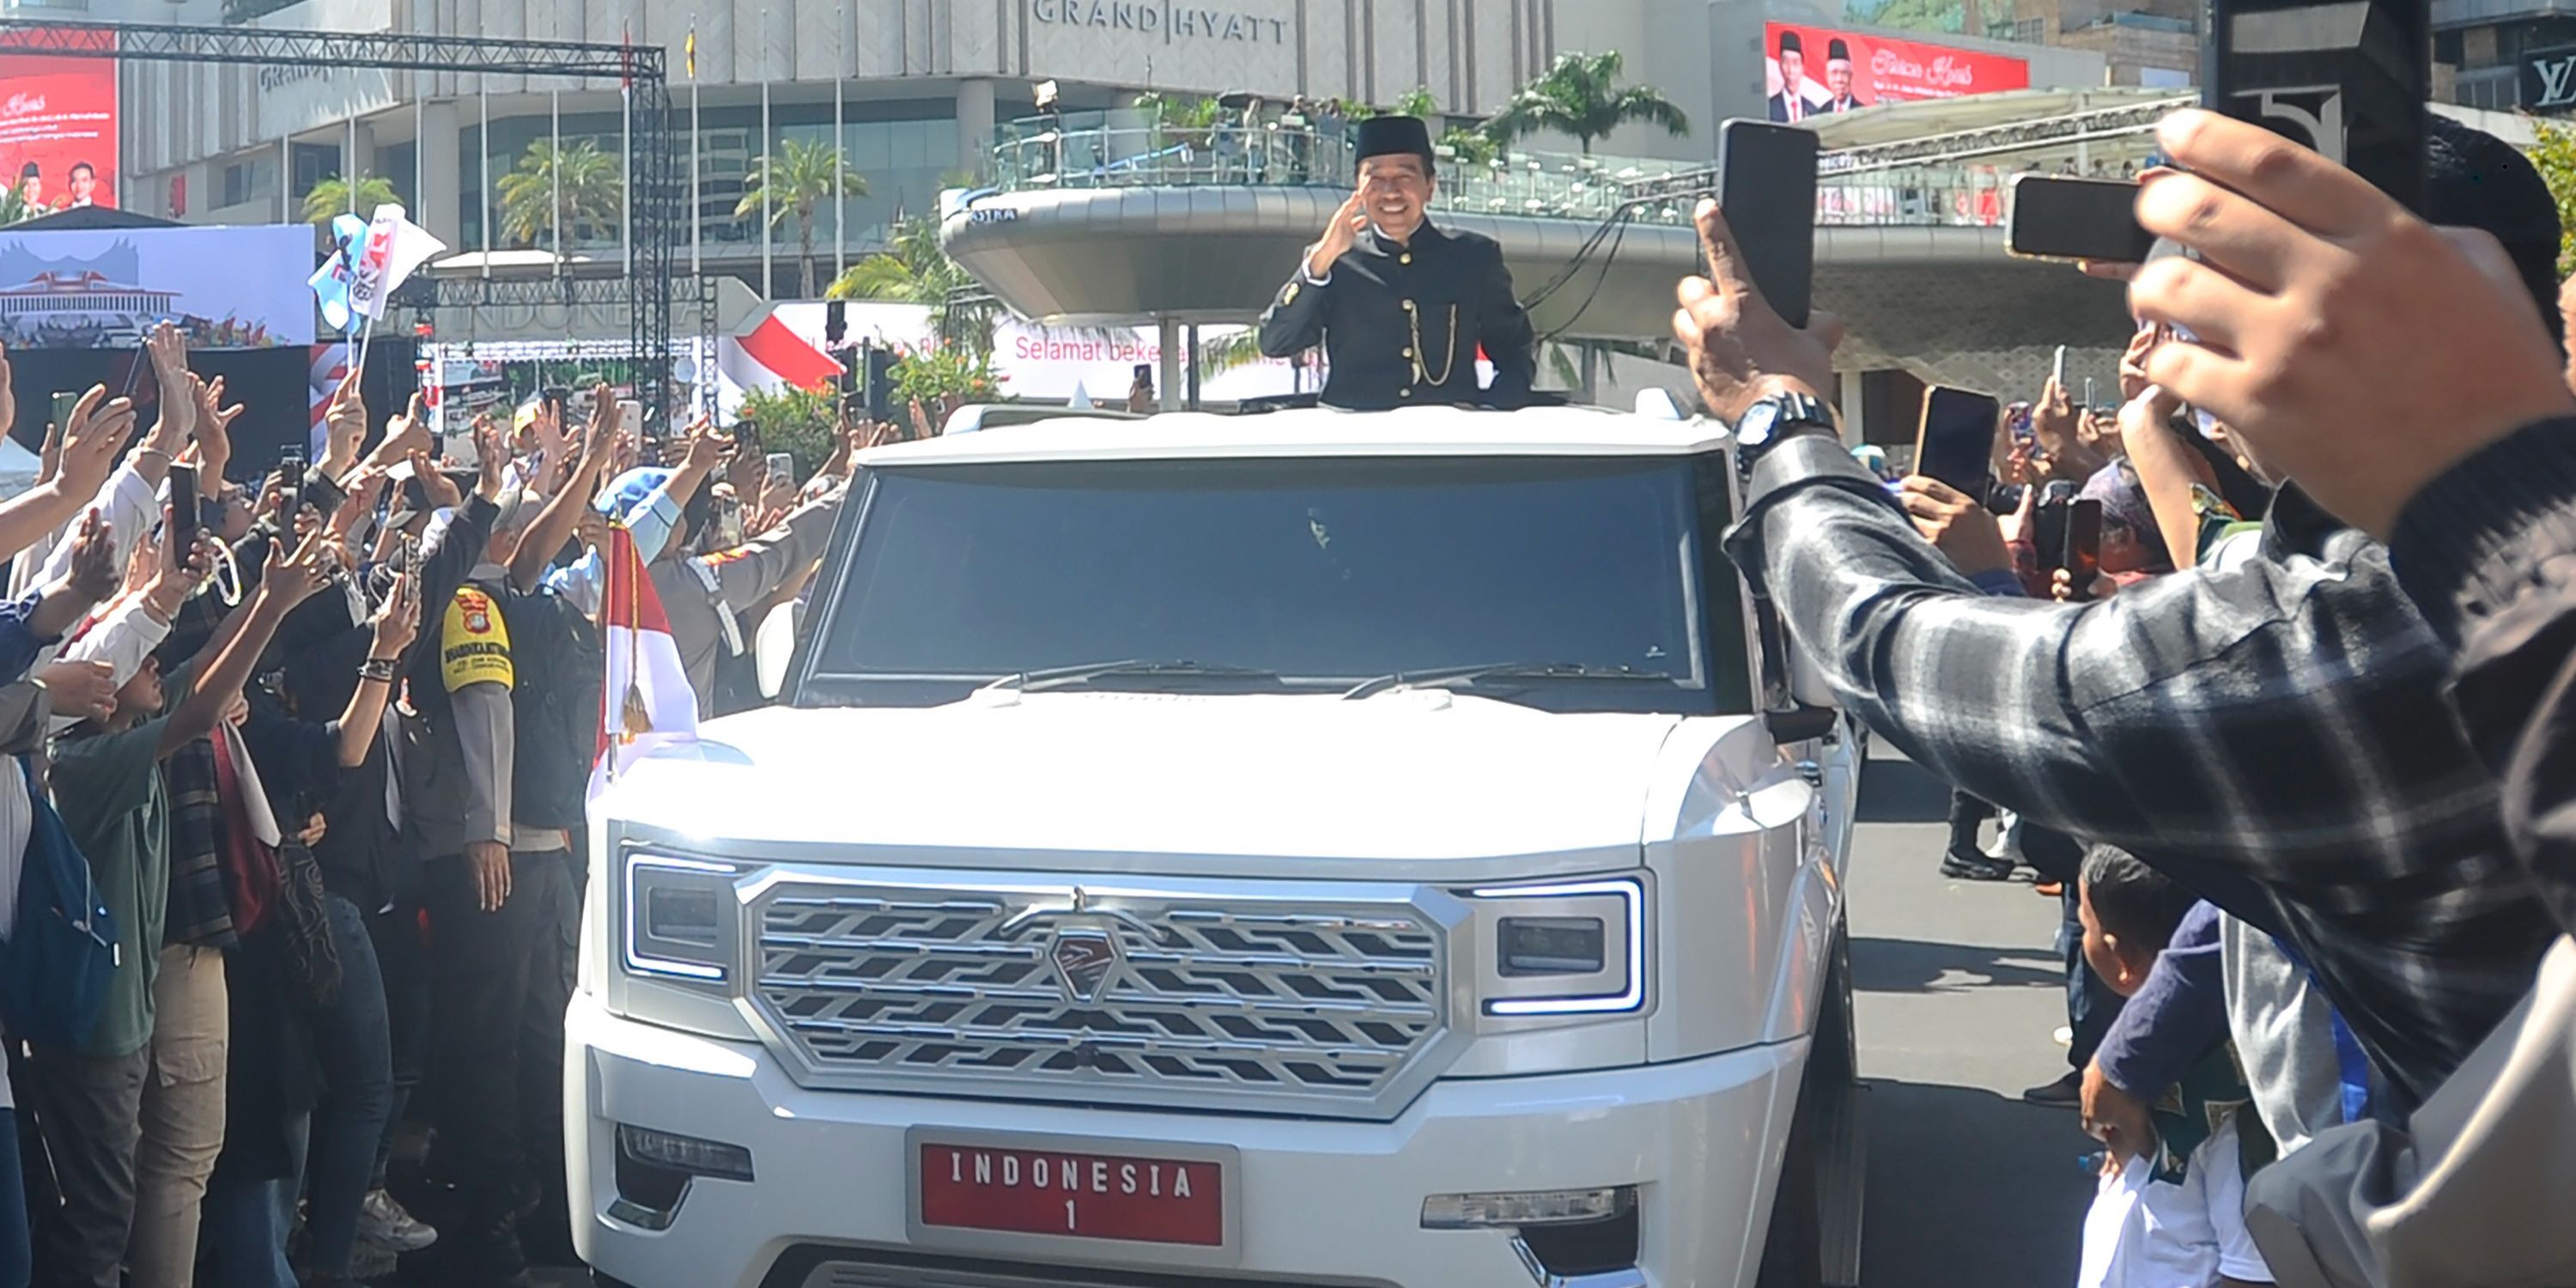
(974, 124)
(1170, 384)
(358, 144)
(441, 193)
(1851, 408)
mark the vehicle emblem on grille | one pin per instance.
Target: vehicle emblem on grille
(1086, 960)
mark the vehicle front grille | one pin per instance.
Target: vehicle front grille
(815, 1267)
(1312, 1006)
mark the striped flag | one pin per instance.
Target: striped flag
(648, 702)
(329, 366)
(689, 50)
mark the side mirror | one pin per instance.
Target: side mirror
(1801, 723)
(773, 646)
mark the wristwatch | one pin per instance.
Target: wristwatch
(1777, 417)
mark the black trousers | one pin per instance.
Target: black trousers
(499, 983)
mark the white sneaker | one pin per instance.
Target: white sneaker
(384, 1223)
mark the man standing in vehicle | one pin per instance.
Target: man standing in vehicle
(1401, 307)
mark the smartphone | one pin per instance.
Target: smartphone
(2057, 369)
(183, 514)
(1956, 441)
(2017, 423)
(2088, 393)
(630, 415)
(2081, 552)
(2061, 217)
(2349, 81)
(64, 403)
(2048, 526)
(1767, 186)
(290, 471)
(746, 438)
(782, 470)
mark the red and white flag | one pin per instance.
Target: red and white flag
(648, 702)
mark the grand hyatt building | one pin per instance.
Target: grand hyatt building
(914, 89)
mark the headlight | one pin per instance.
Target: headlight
(678, 918)
(1562, 948)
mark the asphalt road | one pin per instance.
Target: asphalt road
(1957, 989)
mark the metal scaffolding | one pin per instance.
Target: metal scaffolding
(654, 189)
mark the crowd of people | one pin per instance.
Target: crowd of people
(291, 850)
(2300, 757)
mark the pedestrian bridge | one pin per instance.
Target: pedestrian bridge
(1094, 222)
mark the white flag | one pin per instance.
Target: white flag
(393, 248)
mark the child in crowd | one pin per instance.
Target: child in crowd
(2172, 1216)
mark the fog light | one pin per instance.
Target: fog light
(1531, 1207)
(685, 1153)
(1550, 946)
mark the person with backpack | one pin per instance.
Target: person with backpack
(498, 885)
(161, 1024)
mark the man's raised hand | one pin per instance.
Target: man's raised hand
(1740, 351)
(1341, 232)
(2360, 350)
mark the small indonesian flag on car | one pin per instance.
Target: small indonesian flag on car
(648, 702)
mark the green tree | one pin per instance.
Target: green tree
(1418, 102)
(1580, 96)
(913, 269)
(795, 179)
(593, 193)
(14, 207)
(2554, 154)
(330, 198)
(799, 422)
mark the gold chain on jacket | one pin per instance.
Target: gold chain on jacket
(1413, 319)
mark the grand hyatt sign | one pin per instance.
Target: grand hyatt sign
(1162, 20)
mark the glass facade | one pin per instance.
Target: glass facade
(903, 150)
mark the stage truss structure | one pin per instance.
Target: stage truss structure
(655, 191)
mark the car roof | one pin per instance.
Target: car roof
(1318, 432)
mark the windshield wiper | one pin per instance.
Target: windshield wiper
(1502, 671)
(1056, 677)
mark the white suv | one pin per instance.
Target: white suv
(1313, 848)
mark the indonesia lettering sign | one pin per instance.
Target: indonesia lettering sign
(2549, 80)
(1162, 20)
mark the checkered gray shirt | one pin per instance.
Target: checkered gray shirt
(2274, 735)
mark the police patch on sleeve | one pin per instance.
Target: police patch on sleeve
(474, 643)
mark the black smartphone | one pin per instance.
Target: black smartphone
(2048, 527)
(2080, 554)
(184, 516)
(2062, 218)
(746, 439)
(290, 472)
(2350, 81)
(1767, 187)
(64, 403)
(1956, 441)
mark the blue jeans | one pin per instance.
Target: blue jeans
(353, 1039)
(247, 1224)
(16, 1263)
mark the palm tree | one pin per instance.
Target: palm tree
(330, 198)
(793, 180)
(1577, 97)
(593, 192)
(913, 269)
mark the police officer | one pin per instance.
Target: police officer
(1400, 306)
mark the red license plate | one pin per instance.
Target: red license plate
(1090, 1196)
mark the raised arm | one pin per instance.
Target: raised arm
(554, 524)
(396, 624)
(288, 580)
(87, 456)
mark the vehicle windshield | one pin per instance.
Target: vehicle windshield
(1577, 581)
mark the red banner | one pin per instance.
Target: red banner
(58, 121)
(1838, 71)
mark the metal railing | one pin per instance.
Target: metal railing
(1528, 184)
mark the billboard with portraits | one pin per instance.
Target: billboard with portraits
(58, 120)
(1819, 71)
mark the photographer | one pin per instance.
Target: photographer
(2274, 735)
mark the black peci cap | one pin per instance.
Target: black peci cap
(1836, 49)
(1789, 43)
(1383, 136)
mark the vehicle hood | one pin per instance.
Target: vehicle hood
(1424, 775)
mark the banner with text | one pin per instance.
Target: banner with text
(227, 287)
(58, 120)
(1833, 71)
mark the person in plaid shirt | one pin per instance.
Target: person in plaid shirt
(2274, 735)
